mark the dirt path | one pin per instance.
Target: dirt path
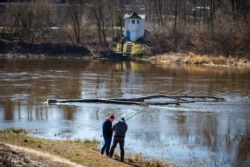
(51, 157)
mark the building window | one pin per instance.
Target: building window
(138, 21)
(133, 21)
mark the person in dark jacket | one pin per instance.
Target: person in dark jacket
(107, 133)
(120, 128)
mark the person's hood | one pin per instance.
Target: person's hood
(122, 119)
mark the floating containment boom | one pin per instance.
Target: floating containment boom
(145, 100)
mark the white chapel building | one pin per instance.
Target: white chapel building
(134, 26)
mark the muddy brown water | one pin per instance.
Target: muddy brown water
(191, 134)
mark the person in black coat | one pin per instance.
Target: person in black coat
(107, 133)
(120, 128)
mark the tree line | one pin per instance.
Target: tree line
(219, 27)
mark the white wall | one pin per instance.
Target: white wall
(136, 29)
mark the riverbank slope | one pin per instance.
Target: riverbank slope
(17, 148)
(18, 49)
(191, 58)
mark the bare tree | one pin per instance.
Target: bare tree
(75, 14)
(120, 12)
(175, 14)
(158, 5)
(31, 19)
(96, 8)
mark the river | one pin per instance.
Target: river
(191, 134)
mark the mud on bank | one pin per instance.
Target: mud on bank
(46, 48)
(10, 157)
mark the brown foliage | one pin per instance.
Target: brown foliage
(242, 40)
(213, 43)
(163, 41)
(220, 28)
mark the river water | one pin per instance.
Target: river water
(191, 134)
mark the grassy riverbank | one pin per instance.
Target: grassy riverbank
(191, 58)
(85, 153)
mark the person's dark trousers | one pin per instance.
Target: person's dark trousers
(121, 144)
(106, 146)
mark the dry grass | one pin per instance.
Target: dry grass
(196, 59)
(78, 151)
(192, 58)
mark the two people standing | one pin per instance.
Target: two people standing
(120, 128)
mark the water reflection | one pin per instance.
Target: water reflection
(243, 151)
(208, 134)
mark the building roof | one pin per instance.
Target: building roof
(134, 15)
